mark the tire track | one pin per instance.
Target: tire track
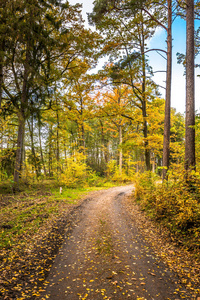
(106, 257)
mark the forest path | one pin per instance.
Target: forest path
(107, 257)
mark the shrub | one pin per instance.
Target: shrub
(115, 175)
(172, 203)
(75, 172)
(78, 174)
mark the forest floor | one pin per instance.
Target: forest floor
(109, 250)
(107, 256)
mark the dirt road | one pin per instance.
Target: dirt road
(107, 257)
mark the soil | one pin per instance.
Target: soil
(106, 255)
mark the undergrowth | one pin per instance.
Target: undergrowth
(174, 203)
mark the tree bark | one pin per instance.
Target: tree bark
(104, 143)
(153, 163)
(1, 79)
(57, 140)
(50, 153)
(41, 151)
(21, 118)
(166, 141)
(20, 142)
(144, 109)
(2, 54)
(33, 147)
(83, 138)
(190, 103)
(120, 150)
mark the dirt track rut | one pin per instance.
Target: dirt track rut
(107, 257)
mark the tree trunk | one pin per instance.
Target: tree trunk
(21, 118)
(57, 142)
(145, 133)
(83, 138)
(144, 109)
(30, 126)
(41, 152)
(1, 167)
(190, 106)
(50, 153)
(153, 163)
(2, 49)
(1, 79)
(166, 141)
(20, 142)
(104, 143)
(120, 150)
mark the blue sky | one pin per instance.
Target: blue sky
(158, 63)
(178, 78)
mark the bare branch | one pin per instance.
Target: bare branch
(159, 72)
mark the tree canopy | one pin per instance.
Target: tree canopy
(53, 106)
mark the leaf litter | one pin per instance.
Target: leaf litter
(107, 257)
(103, 256)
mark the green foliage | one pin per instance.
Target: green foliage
(94, 179)
(7, 161)
(175, 204)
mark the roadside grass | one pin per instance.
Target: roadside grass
(33, 223)
(22, 214)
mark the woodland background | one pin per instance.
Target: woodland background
(58, 119)
(64, 125)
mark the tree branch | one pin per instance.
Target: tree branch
(154, 19)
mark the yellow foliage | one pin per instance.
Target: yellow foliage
(75, 172)
(116, 175)
(174, 203)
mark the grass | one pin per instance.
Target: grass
(28, 211)
(33, 223)
(23, 214)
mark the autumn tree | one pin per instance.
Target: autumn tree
(126, 38)
(161, 14)
(165, 23)
(45, 38)
(167, 124)
(78, 101)
(7, 146)
(3, 17)
(27, 63)
(113, 107)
